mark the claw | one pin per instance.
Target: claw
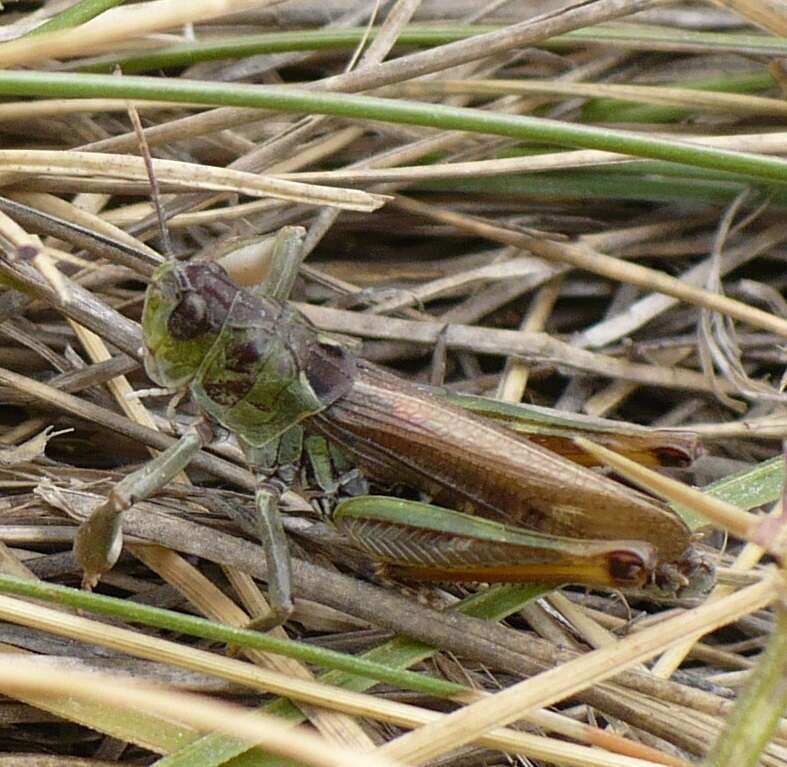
(98, 543)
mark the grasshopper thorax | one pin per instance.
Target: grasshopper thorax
(186, 306)
(251, 362)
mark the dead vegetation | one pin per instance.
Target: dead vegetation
(559, 204)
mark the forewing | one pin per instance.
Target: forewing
(401, 435)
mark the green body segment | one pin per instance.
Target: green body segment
(248, 368)
(169, 362)
(255, 391)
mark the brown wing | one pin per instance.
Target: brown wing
(402, 435)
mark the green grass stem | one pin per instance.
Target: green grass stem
(359, 107)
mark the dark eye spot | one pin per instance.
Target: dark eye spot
(189, 318)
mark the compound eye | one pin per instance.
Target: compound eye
(189, 318)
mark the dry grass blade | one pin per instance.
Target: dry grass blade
(747, 558)
(429, 742)
(184, 174)
(190, 709)
(769, 16)
(501, 202)
(768, 143)
(719, 102)
(586, 258)
(333, 726)
(120, 24)
(388, 711)
(32, 110)
(538, 347)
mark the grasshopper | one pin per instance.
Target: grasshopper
(256, 367)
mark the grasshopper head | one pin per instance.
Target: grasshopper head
(185, 308)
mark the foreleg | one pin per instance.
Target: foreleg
(99, 539)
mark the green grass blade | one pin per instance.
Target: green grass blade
(752, 487)
(200, 627)
(76, 15)
(747, 489)
(759, 709)
(401, 652)
(606, 185)
(609, 110)
(301, 100)
(147, 731)
(187, 54)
